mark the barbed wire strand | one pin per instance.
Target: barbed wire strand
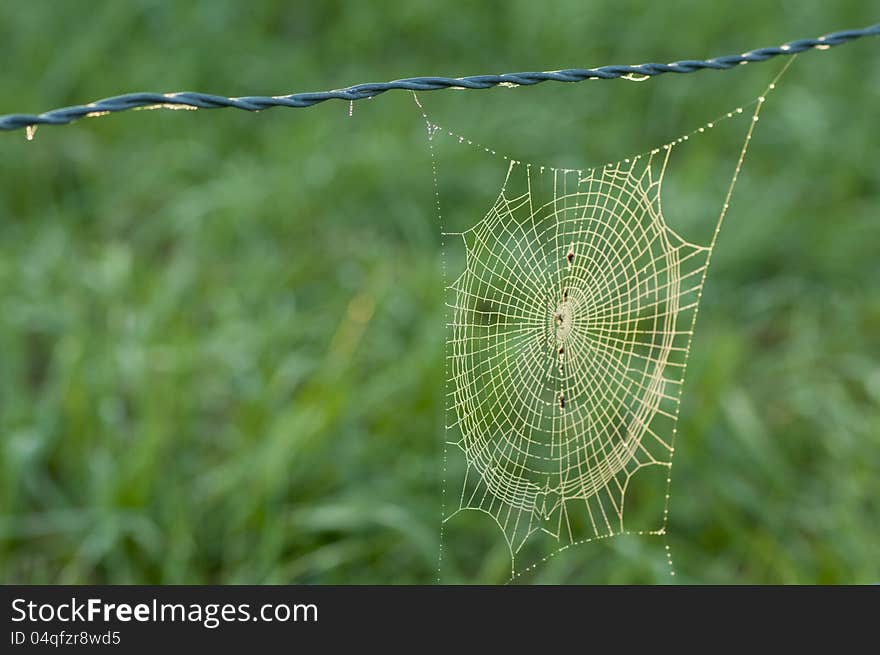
(193, 100)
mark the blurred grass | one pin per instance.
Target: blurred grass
(222, 333)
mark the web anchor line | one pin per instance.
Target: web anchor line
(195, 100)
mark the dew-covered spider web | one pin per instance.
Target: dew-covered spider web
(568, 334)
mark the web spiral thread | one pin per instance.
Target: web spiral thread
(569, 332)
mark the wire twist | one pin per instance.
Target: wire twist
(189, 99)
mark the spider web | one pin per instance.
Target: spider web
(568, 340)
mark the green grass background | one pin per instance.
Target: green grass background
(221, 333)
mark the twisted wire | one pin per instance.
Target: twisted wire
(194, 100)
